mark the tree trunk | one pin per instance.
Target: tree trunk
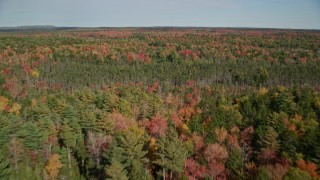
(15, 163)
(69, 161)
(164, 174)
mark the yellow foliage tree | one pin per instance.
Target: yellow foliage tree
(15, 108)
(221, 134)
(53, 166)
(35, 73)
(3, 102)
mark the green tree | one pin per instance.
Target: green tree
(116, 171)
(69, 137)
(31, 136)
(129, 149)
(283, 100)
(171, 153)
(297, 174)
(261, 76)
(268, 138)
(88, 119)
(139, 171)
(289, 143)
(133, 141)
(5, 169)
(235, 162)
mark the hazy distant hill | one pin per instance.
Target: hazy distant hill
(34, 28)
(155, 28)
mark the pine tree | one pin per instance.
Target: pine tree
(297, 174)
(261, 76)
(139, 171)
(69, 137)
(124, 107)
(5, 169)
(88, 119)
(283, 100)
(4, 130)
(49, 132)
(171, 153)
(31, 136)
(116, 171)
(268, 138)
(104, 124)
(235, 162)
(106, 101)
(133, 141)
(289, 144)
(59, 106)
(129, 149)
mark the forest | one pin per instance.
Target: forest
(160, 103)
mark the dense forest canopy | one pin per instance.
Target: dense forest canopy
(170, 103)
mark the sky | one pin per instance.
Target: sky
(295, 14)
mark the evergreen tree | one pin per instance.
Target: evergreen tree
(88, 120)
(129, 149)
(133, 141)
(235, 163)
(31, 136)
(295, 173)
(5, 169)
(116, 171)
(69, 137)
(104, 123)
(289, 145)
(267, 138)
(139, 171)
(283, 100)
(168, 158)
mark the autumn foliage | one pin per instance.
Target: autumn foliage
(160, 103)
(157, 126)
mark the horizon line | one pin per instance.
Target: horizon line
(160, 26)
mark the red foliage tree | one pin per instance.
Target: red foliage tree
(96, 144)
(153, 87)
(303, 60)
(193, 170)
(177, 121)
(157, 126)
(120, 122)
(308, 167)
(215, 153)
(141, 57)
(216, 170)
(246, 137)
(198, 142)
(147, 60)
(26, 68)
(6, 71)
(267, 156)
(130, 57)
(190, 83)
(232, 141)
(15, 87)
